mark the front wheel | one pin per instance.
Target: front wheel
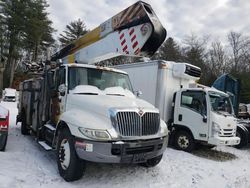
(243, 138)
(184, 141)
(24, 129)
(152, 162)
(70, 167)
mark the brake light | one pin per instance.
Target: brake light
(4, 123)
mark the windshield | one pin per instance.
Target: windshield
(220, 102)
(99, 78)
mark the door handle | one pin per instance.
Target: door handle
(180, 117)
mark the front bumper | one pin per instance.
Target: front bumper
(9, 99)
(224, 141)
(136, 151)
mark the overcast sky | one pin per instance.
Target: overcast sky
(179, 17)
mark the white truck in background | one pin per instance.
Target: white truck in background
(194, 113)
(9, 95)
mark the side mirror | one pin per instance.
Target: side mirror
(62, 89)
(138, 93)
(51, 81)
(204, 118)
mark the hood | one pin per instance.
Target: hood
(225, 121)
(101, 104)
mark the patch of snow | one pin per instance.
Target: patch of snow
(88, 89)
(25, 164)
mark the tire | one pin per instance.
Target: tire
(184, 141)
(70, 167)
(152, 162)
(4, 142)
(24, 129)
(243, 139)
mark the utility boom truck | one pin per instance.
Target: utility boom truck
(194, 113)
(89, 113)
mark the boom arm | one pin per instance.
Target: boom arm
(136, 31)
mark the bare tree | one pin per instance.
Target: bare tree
(195, 52)
(218, 60)
(240, 46)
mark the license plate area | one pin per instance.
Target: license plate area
(139, 157)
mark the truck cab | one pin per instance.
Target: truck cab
(204, 114)
(89, 113)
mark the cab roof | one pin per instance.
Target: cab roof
(94, 67)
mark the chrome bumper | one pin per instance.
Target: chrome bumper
(136, 151)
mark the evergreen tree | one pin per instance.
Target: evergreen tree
(38, 29)
(27, 28)
(14, 13)
(194, 53)
(169, 51)
(73, 31)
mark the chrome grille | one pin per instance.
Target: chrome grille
(226, 132)
(132, 124)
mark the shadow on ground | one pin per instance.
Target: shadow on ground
(214, 154)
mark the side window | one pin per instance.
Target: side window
(194, 100)
(60, 76)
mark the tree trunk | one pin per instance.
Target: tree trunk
(1, 80)
(12, 72)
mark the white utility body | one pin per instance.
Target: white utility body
(194, 113)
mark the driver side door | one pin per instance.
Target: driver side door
(192, 113)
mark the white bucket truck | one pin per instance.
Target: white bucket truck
(89, 113)
(194, 113)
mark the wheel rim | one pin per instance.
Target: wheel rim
(64, 154)
(183, 141)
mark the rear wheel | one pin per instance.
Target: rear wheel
(70, 166)
(184, 141)
(24, 129)
(3, 142)
(152, 162)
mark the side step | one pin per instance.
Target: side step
(50, 127)
(44, 145)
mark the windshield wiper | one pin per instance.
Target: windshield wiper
(116, 94)
(86, 93)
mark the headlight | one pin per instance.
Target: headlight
(163, 128)
(215, 129)
(95, 134)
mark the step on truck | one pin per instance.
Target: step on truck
(195, 114)
(90, 113)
